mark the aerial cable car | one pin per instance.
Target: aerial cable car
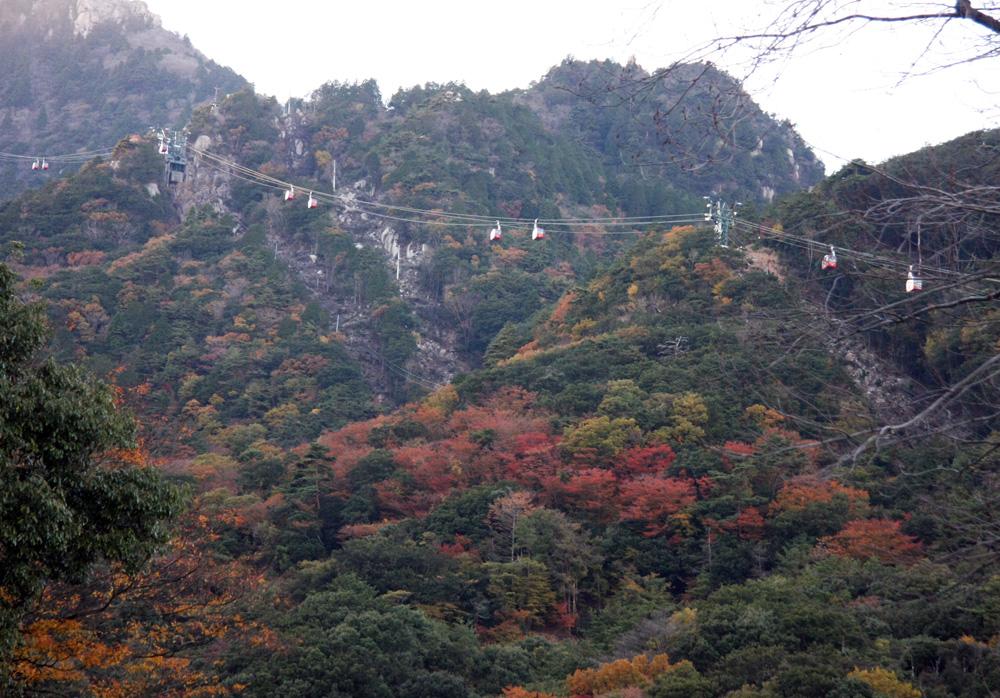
(830, 260)
(495, 233)
(290, 194)
(45, 164)
(537, 233)
(312, 203)
(36, 164)
(912, 282)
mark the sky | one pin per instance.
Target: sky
(844, 94)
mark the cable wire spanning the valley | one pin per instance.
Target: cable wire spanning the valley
(401, 371)
(750, 232)
(66, 158)
(743, 233)
(391, 212)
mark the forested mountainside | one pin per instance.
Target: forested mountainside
(575, 144)
(441, 156)
(78, 75)
(642, 492)
(616, 460)
(931, 215)
(697, 128)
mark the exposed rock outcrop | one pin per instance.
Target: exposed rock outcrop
(90, 13)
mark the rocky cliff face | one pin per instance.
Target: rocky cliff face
(437, 358)
(56, 19)
(130, 13)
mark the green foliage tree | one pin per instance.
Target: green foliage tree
(562, 546)
(347, 642)
(67, 499)
(521, 586)
(683, 681)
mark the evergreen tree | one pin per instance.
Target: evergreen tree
(70, 492)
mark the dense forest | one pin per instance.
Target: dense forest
(254, 446)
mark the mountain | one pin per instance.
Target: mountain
(78, 75)
(447, 149)
(692, 125)
(620, 459)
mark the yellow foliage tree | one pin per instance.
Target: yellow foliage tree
(885, 683)
(601, 437)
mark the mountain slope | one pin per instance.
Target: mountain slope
(78, 75)
(638, 466)
(695, 127)
(414, 175)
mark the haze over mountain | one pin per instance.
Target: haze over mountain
(78, 75)
(75, 76)
(459, 395)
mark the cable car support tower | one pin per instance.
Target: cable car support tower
(174, 151)
(723, 215)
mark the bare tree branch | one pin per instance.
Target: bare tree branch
(963, 8)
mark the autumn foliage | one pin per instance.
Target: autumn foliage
(622, 673)
(660, 503)
(802, 491)
(124, 634)
(875, 538)
(518, 692)
(886, 683)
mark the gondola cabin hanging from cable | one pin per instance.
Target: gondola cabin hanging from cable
(495, 233)
(912, 282)
(829, 260)
(290, 194)
(36, 164)
(45, 164)
(312, 203)
(537, 233)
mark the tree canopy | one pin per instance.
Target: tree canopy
(72, 491)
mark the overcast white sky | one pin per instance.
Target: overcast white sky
(845, 101)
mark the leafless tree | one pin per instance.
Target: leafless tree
(462, 306)
(698, 118)
(805, 24)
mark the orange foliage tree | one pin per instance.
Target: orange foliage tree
(749, 524)
(878, 538)
(590, 492)
(622, 673)
(647, 460)
(801, 491)
(518, 692)
(124, 634)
